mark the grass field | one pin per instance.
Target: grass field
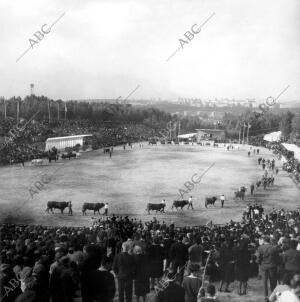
(132, 178)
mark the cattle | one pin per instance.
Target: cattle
(210, 200)
(258, 183)
(243, 189)
(68, 155)
(271, 180)
(96, 207)
(61, 205)
(179, 204)
(158, 207)
(37, 161)
(52, 157)
(239, 195)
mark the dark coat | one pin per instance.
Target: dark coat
(178, 253)
(291, 261)
(98, 286)
(123, 266)
(191, 287)
(242, 262)
(141, 283)
(226, 264)
(156, 260)
(27, 296)
(268, 256)
(173, 293)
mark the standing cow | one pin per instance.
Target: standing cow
(96, 207)
(179, 204)
(61, 205)
(239, 195)
(210, 200)
(158, 207)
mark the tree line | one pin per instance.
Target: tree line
(119, 113)
(260, 123)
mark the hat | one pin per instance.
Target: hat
(38, 269)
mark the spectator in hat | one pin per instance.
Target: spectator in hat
(156, 261)
(195, 252)
(97, 277)
(242, 263)
(141, 279)
(291, 259)
(268, 258)
(192, 283)
(178, 256)
(124, 268)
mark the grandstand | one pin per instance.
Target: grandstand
(63, 142)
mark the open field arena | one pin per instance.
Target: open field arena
(132, 178)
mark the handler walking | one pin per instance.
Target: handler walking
(190, 203)
(106, 209)
(222, 198)
(70, 209)
(252, 189)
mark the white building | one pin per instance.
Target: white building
(61, 143)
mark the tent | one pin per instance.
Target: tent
(188, 135)
(273, 136)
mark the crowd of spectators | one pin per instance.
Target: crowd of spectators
(28, 143)
(67, 263)
(292, 165)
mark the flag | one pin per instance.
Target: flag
(245, 125)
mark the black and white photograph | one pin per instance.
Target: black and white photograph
(150, 151)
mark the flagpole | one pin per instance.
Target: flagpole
(65, 111)
(58, 111)
(240, 134)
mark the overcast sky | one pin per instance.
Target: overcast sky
(105, 48)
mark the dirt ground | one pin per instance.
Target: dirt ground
(132, 178)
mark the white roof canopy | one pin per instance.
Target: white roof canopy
(273, 136)
(187, 135)
(294, 148)
(67, 137)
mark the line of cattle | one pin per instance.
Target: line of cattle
(62, 205)
(158, 207)
(40, 161)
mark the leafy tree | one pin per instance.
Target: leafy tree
(286, 124)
